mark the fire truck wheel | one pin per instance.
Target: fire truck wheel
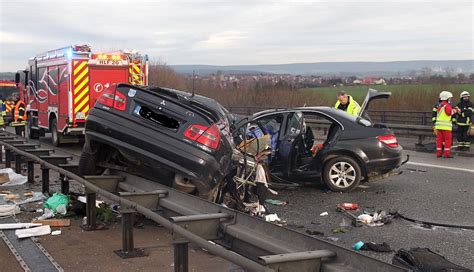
(55, 134)
(32, 134)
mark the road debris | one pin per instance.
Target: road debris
(37, 231)
(9, 210)
(54, 222)
(323, 214)
(315, 232)
(56, 232)
(331, 238)
(57, 204)
(349, 206)
(18, 225)
(14, 178)
(276, 202)
(371, 246)
(340, 230)
(424, 259)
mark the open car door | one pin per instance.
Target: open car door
(372, 94)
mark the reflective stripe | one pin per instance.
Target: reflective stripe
(443, 121)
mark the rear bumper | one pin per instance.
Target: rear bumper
(390, 162)
(153, 148)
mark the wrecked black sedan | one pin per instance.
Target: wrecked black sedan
(177, 138)
(305, 145)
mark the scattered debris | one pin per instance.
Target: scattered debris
(18, 225)
(55, 222)
(47, 214)
(340, 230)
(315, 232)
(371, 246)
(324, 214)
(105, 213)
(271, 217)
(424, 259)
(37, 231)
(14, 178)
(57, 204)
(9, 210)
(28, 194)
(56, 232)
(4, 178)
(349, 206)
(276, 202)
(331, 238)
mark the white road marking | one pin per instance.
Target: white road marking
(441, 166)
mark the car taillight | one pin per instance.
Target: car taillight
(207, 136)
(389, 140)
(120, 101)
(112, 98)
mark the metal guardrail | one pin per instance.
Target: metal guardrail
(245, 240)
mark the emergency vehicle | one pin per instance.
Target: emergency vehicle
(8, 91)
(63, 84)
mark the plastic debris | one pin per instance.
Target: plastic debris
(9, 210)
(276, 202)
(47, 214)
(14, 178)
(323, 214)
(57, 204)
(271, 217)
(56, 232)
(18, 225)
(37, 231)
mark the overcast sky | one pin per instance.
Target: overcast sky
(241, 32)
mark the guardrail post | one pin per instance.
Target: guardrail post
(8, 162)
(1, 153)
(31, 171)
(64, 184)
(17, 163)
(90, 213)
(181, 257)
(45, 180)
(128, 248)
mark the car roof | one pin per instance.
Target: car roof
(333, 112)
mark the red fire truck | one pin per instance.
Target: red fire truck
(63, 84)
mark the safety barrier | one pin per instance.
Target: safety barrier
(242, 239)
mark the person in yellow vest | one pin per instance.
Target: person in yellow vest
(19, 118)
(346, 103)
(3, 112)
(444, 125)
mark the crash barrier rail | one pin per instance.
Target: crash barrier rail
(421, 118)
(247, 241)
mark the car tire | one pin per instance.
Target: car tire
(342, 174)
(55, 134)
(87, 164)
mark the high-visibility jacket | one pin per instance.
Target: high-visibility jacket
(19, 115)
(352, 108)
(3, 112)
(443, 119)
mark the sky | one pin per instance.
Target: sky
(241, 32)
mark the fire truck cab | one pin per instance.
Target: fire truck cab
(63, 84)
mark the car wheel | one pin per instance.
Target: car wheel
(87, 164)
(55, 134)
(342, 174)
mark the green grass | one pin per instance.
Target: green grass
(359, 92)
(419, 97)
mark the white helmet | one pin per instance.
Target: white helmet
(465, 93)
(445, 95)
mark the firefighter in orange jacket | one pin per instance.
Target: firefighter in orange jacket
(19, 118)
(3, 112)
(444, 125)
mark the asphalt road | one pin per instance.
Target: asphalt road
(421, 192)
(429, 189)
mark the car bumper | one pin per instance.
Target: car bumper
(153, 148)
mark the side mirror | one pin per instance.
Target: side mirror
(17, 78)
